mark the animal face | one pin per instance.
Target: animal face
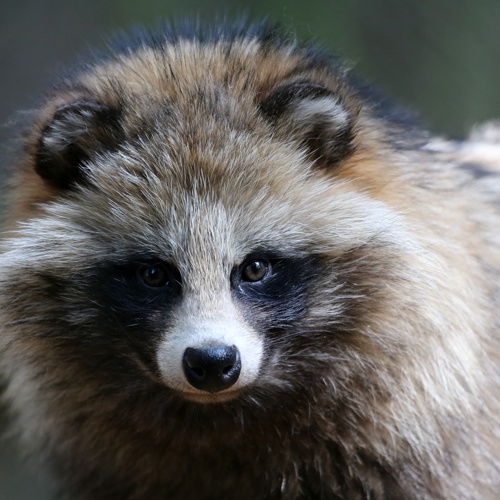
(195, 228)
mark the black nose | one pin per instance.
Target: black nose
(212, 369)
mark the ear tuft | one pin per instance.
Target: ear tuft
(315, 116)
(76, 131)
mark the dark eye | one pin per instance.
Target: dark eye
(154, 275)
(255, 270)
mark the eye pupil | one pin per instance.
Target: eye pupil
(154, 276)
(255, 270)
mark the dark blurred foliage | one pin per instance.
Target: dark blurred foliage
(441, 58)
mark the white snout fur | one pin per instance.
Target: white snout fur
(225, 329)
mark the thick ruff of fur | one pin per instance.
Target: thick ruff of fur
(233, 190)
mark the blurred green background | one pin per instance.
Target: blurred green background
(439, 57)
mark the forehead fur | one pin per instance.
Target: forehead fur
(264, 200)
(198, 167)
(191, 85)
(245, 69)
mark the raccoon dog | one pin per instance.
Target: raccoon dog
(232, 271)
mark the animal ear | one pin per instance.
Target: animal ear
(316, 117)
(75, 132)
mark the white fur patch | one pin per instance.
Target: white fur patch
(329, 109)
(72, 126)
(226, 328)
